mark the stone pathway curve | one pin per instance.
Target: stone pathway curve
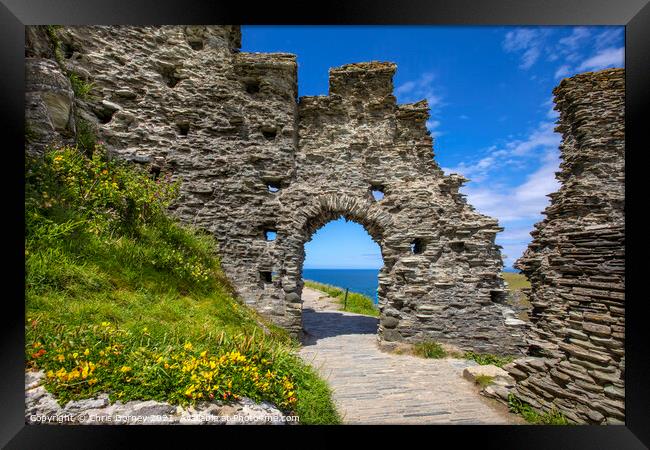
(374, 387)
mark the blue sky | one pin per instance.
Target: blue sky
(490, 94)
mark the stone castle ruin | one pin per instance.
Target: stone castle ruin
(256, 161)
(253, 158)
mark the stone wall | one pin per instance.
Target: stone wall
(253, 158)
(576, 262)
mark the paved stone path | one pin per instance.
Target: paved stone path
(374, 387)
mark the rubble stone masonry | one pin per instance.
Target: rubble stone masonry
(576, 262)
(254, 158)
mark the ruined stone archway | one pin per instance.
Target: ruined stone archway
(332, 207)
(253, 158)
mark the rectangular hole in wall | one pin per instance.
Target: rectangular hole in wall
(266, 277)
(417, 246)
(377, 192)
(273, 186)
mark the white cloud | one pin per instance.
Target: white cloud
(529, 58)
(609, 38)
(575, 39)
(609, 57)
(562, 71)
(525, 201)
(405, 88)
(569, 51)
(543, 136)
(530, 41)
(537, 144)
(520, 39)
(416, 90)
(516, 234)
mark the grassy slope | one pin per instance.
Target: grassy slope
(356, 303)
(516, 281)
(143, 312)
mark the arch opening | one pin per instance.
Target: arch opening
(342, 253)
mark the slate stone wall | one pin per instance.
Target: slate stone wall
(576, 262)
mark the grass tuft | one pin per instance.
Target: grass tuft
(483, 380)
(429, 350)
(80, 87)
(485, 359)
(553, 417)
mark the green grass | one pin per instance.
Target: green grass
(80, 87)
(516, 298)
(485, 359)
(530, 415)
(86, 137)
(356, 303)
(483, 380)
(429, 350)
(516, 281)
(122, 299)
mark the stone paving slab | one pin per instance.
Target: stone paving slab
(374, 387)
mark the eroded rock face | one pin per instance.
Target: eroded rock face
(49, 103)
(253, 158)
(576, 262)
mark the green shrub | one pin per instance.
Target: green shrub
(429, 350)
(553, 417)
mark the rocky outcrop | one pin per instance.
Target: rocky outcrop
(41, 407)
(576, 262)
(253, 158)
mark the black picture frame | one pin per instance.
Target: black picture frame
(15, 14)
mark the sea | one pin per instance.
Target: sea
(363, 281)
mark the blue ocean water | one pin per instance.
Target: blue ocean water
(363, 281)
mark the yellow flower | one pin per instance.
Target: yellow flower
(61, 358)
(75, 354)
(159, 360)
(86, 352)
(105, 324)
(145, 329)
(125, 369)
(203, 353)
(92, 381)
(190, 389)
(188, 346)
